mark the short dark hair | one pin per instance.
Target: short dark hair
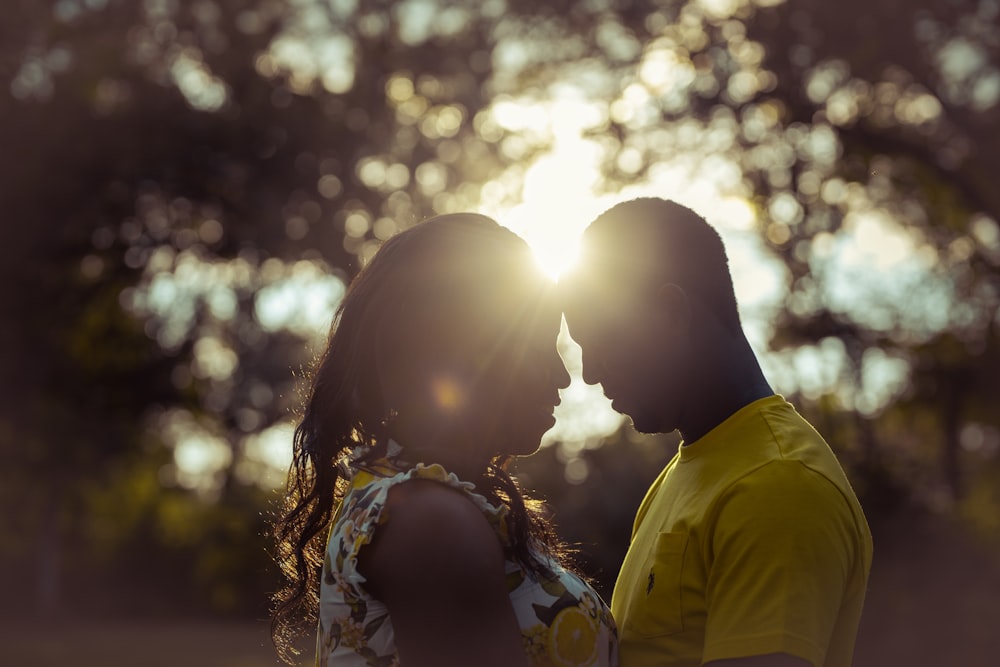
(648, 242)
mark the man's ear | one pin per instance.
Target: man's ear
(675, 306)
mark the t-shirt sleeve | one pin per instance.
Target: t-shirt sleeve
(780, 555)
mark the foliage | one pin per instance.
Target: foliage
(865, 140)
(167, 164)
(188, 185)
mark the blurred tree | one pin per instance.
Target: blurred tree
(187, 187)
(188, 184)
(910, 92)
(865, 139)
(916, 123)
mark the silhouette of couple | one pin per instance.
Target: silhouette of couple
(404, 535)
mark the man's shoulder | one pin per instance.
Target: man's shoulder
(791, 493)
(795, 440)
(790, 429)
(785, 477)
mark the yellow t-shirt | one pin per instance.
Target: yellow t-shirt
(751, 541)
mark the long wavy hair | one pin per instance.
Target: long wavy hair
(452, 260)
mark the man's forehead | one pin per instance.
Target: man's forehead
(598, 301)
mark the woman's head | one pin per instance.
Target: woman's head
(446, 341)
(446, 338)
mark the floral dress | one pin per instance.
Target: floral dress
(563, 621)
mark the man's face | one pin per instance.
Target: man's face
(630, 347)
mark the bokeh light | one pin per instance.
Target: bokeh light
(192, 184)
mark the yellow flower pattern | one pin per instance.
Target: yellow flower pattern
(564, 623)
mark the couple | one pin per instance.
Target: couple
(403, 531)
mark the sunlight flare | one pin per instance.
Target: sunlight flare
(558, 199)
(448, 394)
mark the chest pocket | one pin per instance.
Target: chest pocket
(656, 606)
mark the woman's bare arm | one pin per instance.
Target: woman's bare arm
(439, 568)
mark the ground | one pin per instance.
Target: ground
(934, 600)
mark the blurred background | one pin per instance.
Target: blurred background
(187, 185)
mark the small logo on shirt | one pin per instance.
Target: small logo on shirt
(649, 585)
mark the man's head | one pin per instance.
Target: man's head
(652, 285)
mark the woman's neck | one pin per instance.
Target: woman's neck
(456, 451)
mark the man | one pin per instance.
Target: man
(750, 548)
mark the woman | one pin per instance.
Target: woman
(441, 366)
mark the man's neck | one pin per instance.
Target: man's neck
(733, 381)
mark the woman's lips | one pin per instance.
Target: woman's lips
(550, 406)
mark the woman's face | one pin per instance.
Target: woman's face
(523, 385)
(484, 374)
(499, 372)
(466, 354)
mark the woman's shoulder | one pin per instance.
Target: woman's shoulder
(432, 534)
(423, 507)
(422, 491)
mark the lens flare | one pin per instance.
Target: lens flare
(448, 394)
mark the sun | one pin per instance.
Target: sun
(550, 218)
(552, 229)
(558, 189)
(556, 252)
(557, 204)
